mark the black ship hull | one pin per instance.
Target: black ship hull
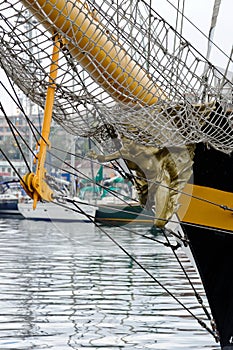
(207, 222)
(212, 252)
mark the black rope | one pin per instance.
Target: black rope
(201, 322)
(221, 206)
(141, 266)
(197, 295)
(13, 129)
(202, 33)
(92, 219)
(19, 105)
(77, 171)
(109, 128)
(117, 195)
(94, 161)
(12, 165)
(130, 230)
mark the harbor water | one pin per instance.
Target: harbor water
(69, 286)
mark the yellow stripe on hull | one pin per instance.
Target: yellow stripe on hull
(97, 52)
(200, 209)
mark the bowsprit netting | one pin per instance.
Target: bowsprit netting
(121, 65)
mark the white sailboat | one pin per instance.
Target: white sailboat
(73, 211)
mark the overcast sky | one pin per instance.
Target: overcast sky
(200, 12)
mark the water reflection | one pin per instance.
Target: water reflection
(68, 286)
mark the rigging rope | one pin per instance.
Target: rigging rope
(197, 295)
(84, 104)
(103, 230)
(199, 299)
(200, 321)
(222, 206)
(89, 101)
(13, 131)
(78, 209)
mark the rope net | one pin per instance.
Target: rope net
(122, 66)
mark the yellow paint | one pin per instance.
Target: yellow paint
(98, 53)
(196, 210)
(35, 184)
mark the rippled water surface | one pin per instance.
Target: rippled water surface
(68, 286)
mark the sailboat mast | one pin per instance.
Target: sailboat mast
(216, 8)
(215, 13)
